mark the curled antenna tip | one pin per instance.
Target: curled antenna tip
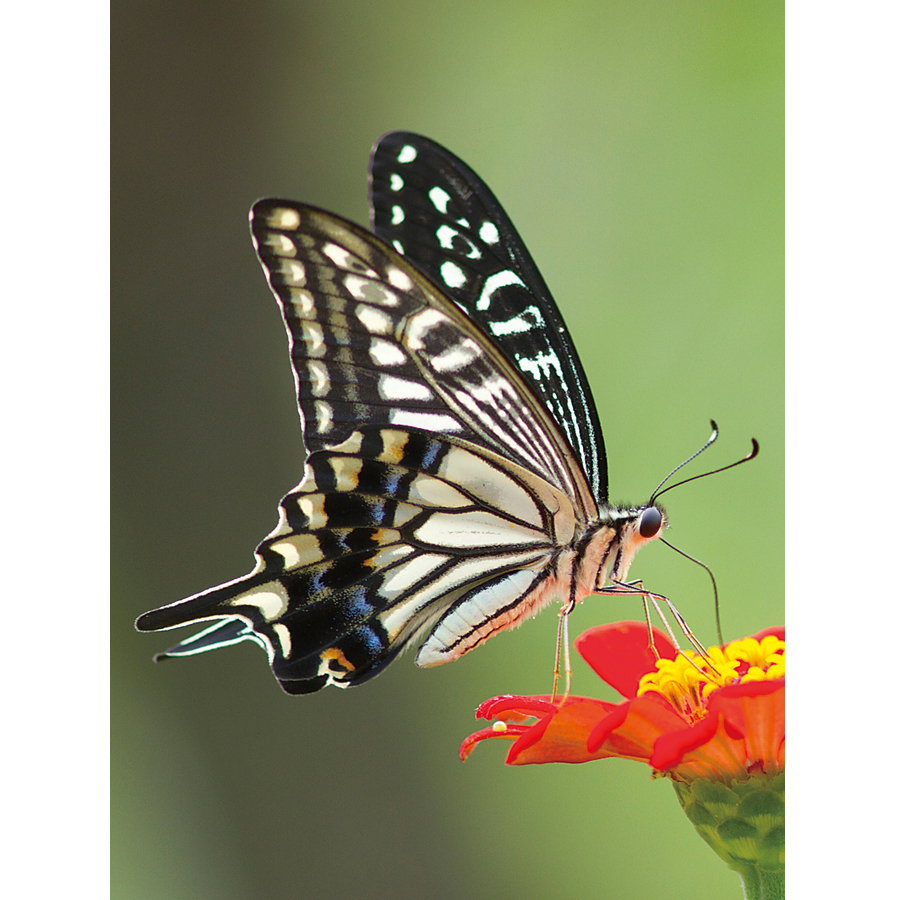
(660, 490)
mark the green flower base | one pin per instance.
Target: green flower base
(744, 823)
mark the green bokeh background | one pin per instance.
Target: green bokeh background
(638, 147)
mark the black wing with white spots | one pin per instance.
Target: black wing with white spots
(431, 207)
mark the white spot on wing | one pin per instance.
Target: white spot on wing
(494, 283)
(437, 422)
(397, 215)
(370, 291)
(313, 507)
(394, 445)
(293, 272)
(488, 233)
(283, 217)
(302, 300)
(384, 353)
(270, 599)
(440, 198)
(445, 235)
(456, 357)
(353, 444)
(453, 275)
(313, 337)
(324, 416)
(280, 244)
(396, 182)
(344, 259)
(420, 324)
(407, 153)
(284, 638)
(392, 388)
(527, 320)
(298, 550)
(374, 320)
(319, 380)
(398, 278)
(346, 472)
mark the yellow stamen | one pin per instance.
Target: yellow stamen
(688, 680)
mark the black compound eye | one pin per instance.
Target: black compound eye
(650, 522)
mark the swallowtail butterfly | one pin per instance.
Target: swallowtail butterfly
(455, 477)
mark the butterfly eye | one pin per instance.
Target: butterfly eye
(650, 522)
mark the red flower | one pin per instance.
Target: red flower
(720, 718)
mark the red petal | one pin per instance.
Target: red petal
(607, 726)
(633, 728)
(620, 653)
(468, 745)
(562, 737)
(671, 748)
(743, 730)
(756, 708)
(514, 707)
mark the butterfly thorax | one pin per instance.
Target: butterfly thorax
(611, 543)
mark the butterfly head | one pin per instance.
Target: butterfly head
(634, 527)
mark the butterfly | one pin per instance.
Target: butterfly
(455, 478)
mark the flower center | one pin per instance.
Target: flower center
(688, 680)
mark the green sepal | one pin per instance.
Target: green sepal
(744, 823)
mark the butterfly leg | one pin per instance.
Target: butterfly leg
(562, 647)
(562, 650)
(648, 597)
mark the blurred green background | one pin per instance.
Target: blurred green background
(638, 147)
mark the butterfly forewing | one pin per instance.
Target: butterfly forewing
(431, 207)
(373, 342)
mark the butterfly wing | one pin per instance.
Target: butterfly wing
(431, 207)
(437, 491)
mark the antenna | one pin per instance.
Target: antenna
(694, 455)
(751, 455)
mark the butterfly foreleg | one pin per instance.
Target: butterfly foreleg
(650, 598)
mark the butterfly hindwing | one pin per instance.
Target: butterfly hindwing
(384, 534)
(431, 207)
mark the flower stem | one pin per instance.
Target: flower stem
(762, 884)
